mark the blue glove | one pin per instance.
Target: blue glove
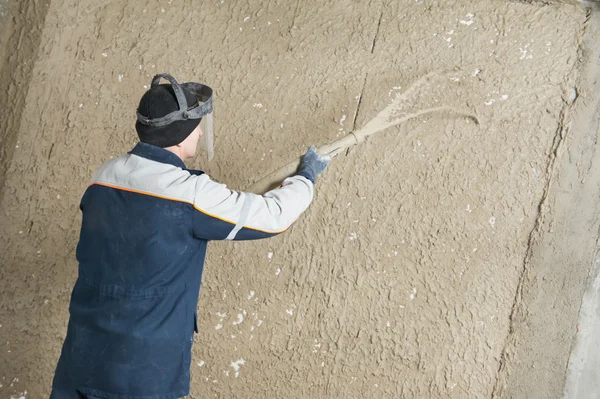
(313, 164)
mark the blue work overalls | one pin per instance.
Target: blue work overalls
(146, 223)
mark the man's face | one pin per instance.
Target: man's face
(190, 144)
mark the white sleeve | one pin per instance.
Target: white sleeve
(226, 214)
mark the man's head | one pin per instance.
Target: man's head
(160, 101)
(170, 116)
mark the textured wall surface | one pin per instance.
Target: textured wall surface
(400, 280)
(21, 25)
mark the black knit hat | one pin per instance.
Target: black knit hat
(157, 102)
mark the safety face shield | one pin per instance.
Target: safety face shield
(201, 110)
(207, 138)
(205, 97)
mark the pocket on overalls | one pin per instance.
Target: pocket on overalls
(128, 340)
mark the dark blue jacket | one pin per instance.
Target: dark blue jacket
(146, 223)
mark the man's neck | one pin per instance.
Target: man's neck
(177, 151)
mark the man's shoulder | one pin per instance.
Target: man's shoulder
(130, 172)
(136, 166)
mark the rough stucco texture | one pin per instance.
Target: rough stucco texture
(400, 279)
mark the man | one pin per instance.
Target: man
(146, 223)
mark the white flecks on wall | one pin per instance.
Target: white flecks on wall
(221, 316)
(237, 366)
(251, 295)
(317, 346)
(240, 319)
(414, 293)
(394, 89)
(525, 52)
(468, 21)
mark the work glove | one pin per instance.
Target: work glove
(313, 164)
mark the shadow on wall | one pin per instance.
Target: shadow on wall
(20, 36)
(586, 3)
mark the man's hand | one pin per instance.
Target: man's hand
(313, 164)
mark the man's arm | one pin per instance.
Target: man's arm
(224, 214)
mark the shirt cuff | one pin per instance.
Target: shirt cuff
(307, 175)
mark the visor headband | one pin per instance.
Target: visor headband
(202, 93)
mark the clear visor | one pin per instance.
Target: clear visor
(207, 139)
(205, 97)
